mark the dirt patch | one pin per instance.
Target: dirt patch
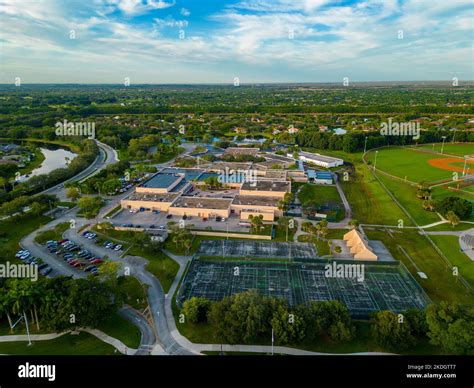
(446, 164)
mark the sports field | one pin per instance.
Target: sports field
(421, 164)
(384, 286)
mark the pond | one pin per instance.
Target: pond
(53, 159)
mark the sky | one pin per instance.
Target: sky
(227, 41)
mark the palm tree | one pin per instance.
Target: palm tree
(5, 305)
(257, 222)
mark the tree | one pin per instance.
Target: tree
(73, 193)
(90, 206)
(461, 207)
(452, 218)
(288, 327)
(390, 331)
(451, 327)
(240, 318)
(195, 309)
(256, 222)
(284, 222)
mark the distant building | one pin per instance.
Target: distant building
(323, 128)
(319, 160)
(293, 130)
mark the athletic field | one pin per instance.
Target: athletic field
(418, 164)
(383, 287)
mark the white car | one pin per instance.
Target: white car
(118, 247)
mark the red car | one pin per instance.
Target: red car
(97, 261)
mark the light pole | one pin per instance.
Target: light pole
(466, 157)
(365, 145)
(442, 146)
(375, 160)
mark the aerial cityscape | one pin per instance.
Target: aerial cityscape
(231, 181)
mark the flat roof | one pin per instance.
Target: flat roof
(255, 200)
(164, 197)
(241, 151)
(202, 203)
(161, 180)
(323, 174)
(270, 185)
(322, 158)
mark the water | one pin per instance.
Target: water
(53, 159)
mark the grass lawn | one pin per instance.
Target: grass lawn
(113, 211)
(406, 195)
(441, 284)
(52, 234)
(164, 268)
(124, 330)
(459, 149)
(447, 227)
(409, 163)
(14, 229)
(317, 195)
(449, 245)
(369, 202)
(68, 344)
(321, 245)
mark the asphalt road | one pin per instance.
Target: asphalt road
(107, 155)
(148, 336)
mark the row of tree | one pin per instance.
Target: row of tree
(59, 303)
(355, 141)
(249, 317)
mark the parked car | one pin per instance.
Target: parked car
(46, 271)
(118, 247)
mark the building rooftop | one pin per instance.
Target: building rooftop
(323, 158)
(202, 203)
(165, 197)
(241, 151)
(250, 200)
(161, 180)
(270, 185)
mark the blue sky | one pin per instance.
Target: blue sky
(215, 41)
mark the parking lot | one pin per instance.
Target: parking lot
(147, 219)
(76, 256)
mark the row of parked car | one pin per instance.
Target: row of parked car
(107, 244)
(75, 256)
(26, 256)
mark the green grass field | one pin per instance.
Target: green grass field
(408, 163)
(68, 344)
(451, 149)
(369, 202)
(120, 328)
(14, 229)
(406, 195)
(441, 284)
(449, 245)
